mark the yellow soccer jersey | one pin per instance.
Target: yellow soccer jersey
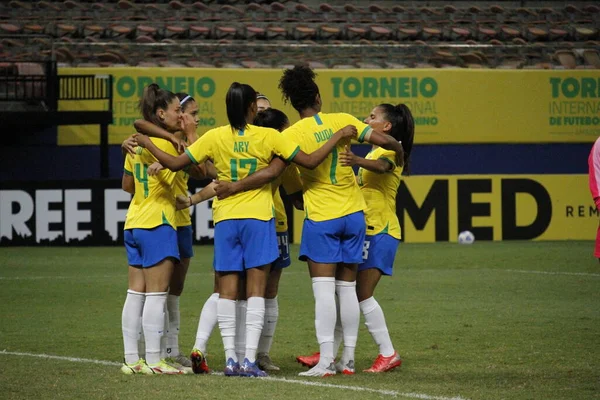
(128, 170)
(154, 194)
(379, 191)
(182, 217)
(237, 154)
(330, 190)
(290, 179)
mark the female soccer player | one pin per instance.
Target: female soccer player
(290, 179)
(245, 237)
(334, 229)
(379, 179)
(594, 182)
(151, 240)
(188, 135)
(262, 102)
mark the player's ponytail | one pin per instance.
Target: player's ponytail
(298, 87)
(407, 133)
(403, 128)
(154, 98)
(239, 100)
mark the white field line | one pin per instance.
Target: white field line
(551, 272)
(391, 393)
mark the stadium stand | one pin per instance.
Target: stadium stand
(336, 34)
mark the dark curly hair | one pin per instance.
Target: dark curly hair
(298, 87)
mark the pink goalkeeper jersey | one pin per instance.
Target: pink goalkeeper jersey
(594, 172)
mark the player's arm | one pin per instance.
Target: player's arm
(379, 166)
(254, 181)
(297, 200)
(128, 183)
(312, 160)
(292, 184)
(148, 128)
(367, 134)
(388, 143)
(171, 162)
(207, 193)
(206, 170)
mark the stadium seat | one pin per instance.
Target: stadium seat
(592, 57)
(10, 29)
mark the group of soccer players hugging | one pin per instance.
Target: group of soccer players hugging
(349, 238)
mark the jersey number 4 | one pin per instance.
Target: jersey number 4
(141, 174)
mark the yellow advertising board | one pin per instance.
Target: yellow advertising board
(449, 105)
(493, 207)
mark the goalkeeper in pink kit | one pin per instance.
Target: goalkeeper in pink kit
(594, 176)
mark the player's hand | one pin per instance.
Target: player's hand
(179, 144)
(182, 202)
(129, 145)
(347, 157)
(188, 124)
(224, 189)
(141, 140)
(349, 131)
(155, 168)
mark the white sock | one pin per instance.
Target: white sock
(338, 334)
(163, 339)
(131, 324)
(349, 316)
(255, 319)
(271, 317)
(153, 321)
(207, 322)
(375, 322)
(226, 318)
(241, 307)
(325, 315)
(142, 338)
(174, 323)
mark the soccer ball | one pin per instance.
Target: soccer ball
(466, 237)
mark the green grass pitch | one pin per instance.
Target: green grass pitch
(504, 320)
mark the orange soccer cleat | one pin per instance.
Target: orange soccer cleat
(384, 364)
(309, 361)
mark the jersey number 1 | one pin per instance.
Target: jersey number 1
(242, 163)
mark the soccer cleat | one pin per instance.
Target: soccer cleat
(183, 360)
(135, 368)
(198, 361)
(320, 371)
(265, 363)
(384, 364)
(232, 368)
(173, 363)
(347, 369)
(309, 361)
(251, 369)
(162, 367)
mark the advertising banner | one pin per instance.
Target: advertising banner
(430, 209)
(449, 105)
